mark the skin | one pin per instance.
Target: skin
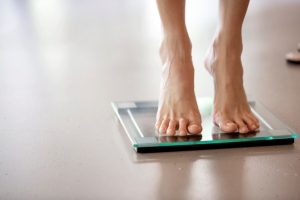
(178, 108)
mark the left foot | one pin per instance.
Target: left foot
(231, 110)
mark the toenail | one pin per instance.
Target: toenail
(257, 124)
(194, 126)
(244, 129)
(230, 124)
(253, 126)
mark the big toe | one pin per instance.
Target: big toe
(228, 126)
(194, 128)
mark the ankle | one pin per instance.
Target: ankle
(227, 42)
(176, 46)
(175, 39)
(224, 56)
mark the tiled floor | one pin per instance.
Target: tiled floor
(63, 62)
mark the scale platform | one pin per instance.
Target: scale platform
(138, 120)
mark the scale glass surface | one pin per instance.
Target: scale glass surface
(138, 120)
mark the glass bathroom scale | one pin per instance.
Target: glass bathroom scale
(138, 120)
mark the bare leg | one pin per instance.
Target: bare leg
(177, 103)
(223, 60)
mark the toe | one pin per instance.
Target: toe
(182, 131)
(257, 125)
(172, 127)
(164, 126)
(255, 120)
(194, 127)
(158, 124)
(250, 123)
(242, 126)
(228, 126)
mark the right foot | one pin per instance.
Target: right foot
(231, 110)
(178, 109)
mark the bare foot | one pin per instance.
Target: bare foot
(178, 107)
(231, 111)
